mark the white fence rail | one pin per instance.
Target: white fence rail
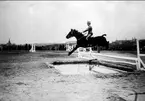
(138, 60)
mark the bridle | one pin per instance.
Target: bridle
(79, 38)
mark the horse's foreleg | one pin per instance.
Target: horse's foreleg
(72, 50)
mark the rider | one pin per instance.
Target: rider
(89, 29)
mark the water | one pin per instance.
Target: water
(74, 69)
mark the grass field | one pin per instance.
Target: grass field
(26, 76)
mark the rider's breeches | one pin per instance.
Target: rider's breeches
(89, 35)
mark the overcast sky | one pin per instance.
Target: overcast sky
(50, 21)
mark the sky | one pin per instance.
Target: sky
(50, 21)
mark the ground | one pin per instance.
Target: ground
(27, 77)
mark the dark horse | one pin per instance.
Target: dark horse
(91, 42)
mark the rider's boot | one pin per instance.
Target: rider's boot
(87, 38)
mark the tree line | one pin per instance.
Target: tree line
(118, 45)
(27, 47)
(127, 45)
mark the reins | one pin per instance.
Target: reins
(81, 38)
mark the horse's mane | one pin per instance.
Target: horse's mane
(78, 32)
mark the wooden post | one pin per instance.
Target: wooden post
(98, 49)
(79, 54)
(138, 55)
(90, 49)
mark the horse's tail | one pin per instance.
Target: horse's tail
(104, 35)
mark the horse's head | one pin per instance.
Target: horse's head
(74, 33)
(70, 34)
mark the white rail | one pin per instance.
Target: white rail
(138, 60)
(119, 57)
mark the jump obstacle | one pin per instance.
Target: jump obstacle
(32, 48)
(92, 55)
(84, 51)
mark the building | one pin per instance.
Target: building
(9, 43)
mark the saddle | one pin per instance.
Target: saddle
(89, 38)
(88, 41)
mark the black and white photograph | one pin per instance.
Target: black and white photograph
(65, 50)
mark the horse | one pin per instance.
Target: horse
(91, 42)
